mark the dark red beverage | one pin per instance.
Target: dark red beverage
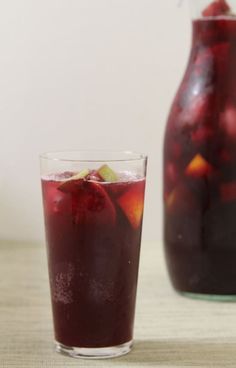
(200, 162)
(93, 231)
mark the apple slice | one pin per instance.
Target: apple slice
(132, 203)
(216, 8)
(228, 191)
(107, 174)
(198, 167)
(71, 184)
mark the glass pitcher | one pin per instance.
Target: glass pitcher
(200, 160)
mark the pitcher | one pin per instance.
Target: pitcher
(200, 160)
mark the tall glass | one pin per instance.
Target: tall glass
(200, 160)
(93, 208)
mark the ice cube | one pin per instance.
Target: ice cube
(128, 176)
(94, 176)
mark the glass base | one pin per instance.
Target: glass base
(94, 353)
(210, 297)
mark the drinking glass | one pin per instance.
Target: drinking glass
(93, 209)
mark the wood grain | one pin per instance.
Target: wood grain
(170, 331)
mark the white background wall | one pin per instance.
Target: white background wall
(84, 74)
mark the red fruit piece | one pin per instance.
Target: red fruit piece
(71, 186)
(228, 121)
(132, 203)
(94, 206)
(55, 202)
(176, 149)
(116, 189)
(201, 134)
(225, 156)
(198, 167)
(221, 54)
(216, 8)
(228, 191)
(203, 60)
(171, 172)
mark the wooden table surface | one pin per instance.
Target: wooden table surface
(170, 331)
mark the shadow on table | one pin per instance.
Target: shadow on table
(183, 353)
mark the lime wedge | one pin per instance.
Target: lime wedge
(107, 174)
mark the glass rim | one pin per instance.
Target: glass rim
(129, 156)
